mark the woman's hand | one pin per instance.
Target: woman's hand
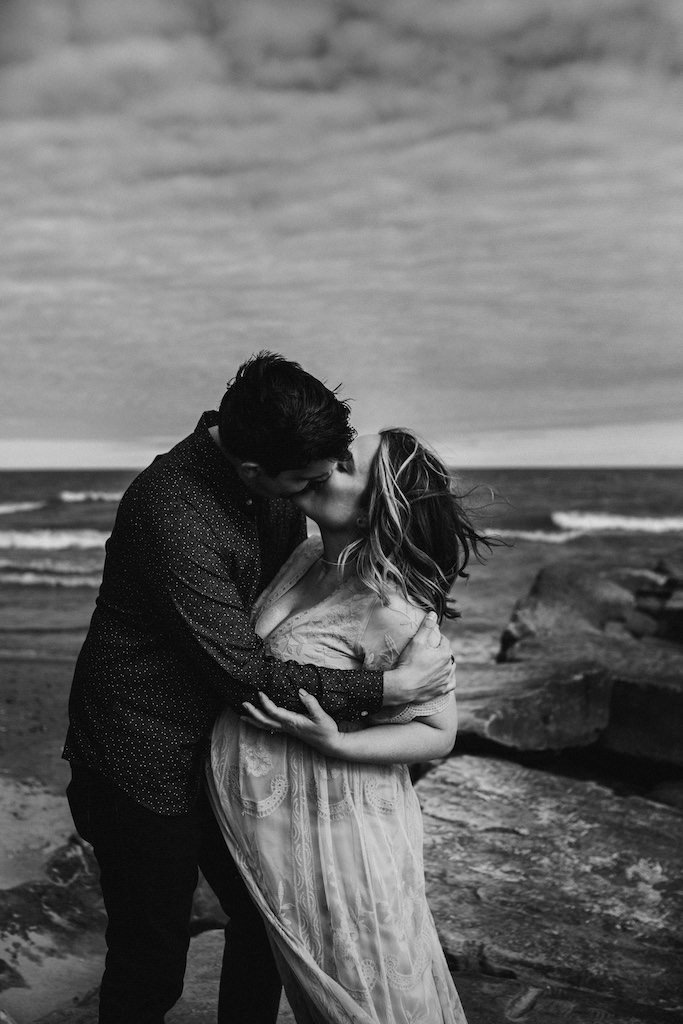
(316, 729)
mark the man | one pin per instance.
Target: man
(197, 537)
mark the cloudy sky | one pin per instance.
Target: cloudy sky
(509, 287)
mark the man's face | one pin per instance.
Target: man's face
(292, 481)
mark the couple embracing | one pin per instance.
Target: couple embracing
(246, 702)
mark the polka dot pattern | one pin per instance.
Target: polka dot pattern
(171, 641)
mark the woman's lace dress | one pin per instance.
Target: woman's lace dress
(331, 851)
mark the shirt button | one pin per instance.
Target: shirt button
(364, 714)
(249, 502)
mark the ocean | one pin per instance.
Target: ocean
(54, 524)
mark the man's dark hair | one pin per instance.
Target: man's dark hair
(276, 414)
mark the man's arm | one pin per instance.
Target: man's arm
(193, 595)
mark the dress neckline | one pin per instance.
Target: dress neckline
(305, 556)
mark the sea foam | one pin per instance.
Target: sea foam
(604, 522)
(539, 536)
(7, 508)
(75, 497)
(52, 540)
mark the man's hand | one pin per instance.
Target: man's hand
(425, 670)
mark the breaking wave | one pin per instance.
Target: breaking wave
(607, 522)
(563, 527)
(8, 508)
(539, 536)
(76, 497)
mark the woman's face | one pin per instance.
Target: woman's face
(335, 503)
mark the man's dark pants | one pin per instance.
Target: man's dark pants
(148, 873)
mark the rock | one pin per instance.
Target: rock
(555, 882)
(669, 793)
(571, 598)
(640, 624)
(646, 714)
(565, 599)
(538, 706)
(51, 933)
(486, 999)
(556, 901)
(200, 994)
(671, 568)
(608, 617)
(491, 1000)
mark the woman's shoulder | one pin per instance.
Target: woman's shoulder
(394, 612)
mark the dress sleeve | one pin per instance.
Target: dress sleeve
(193, 593)
(389, 628)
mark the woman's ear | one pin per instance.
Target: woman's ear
(362, 521)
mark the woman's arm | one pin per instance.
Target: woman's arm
(419, 740)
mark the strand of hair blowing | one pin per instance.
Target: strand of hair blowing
(419, 538)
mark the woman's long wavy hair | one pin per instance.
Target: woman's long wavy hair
(418, 538)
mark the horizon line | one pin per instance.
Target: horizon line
(645, 445)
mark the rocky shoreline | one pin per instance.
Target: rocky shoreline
(552, 834)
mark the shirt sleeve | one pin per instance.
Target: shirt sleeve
(193, 594)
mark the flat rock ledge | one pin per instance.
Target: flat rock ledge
(556, 885)
(544, 705)
(486, 999)
(554, 899)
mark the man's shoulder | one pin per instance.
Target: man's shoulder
(165, 473)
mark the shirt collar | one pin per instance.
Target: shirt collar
(223, 473)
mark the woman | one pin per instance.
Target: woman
(322, 820)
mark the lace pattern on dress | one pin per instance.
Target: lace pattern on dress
(331, 851)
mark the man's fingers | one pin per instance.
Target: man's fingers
(428, 633)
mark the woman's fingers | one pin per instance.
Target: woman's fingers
(257, 717)
(289, 719)
(313, 707)
(312, 727)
